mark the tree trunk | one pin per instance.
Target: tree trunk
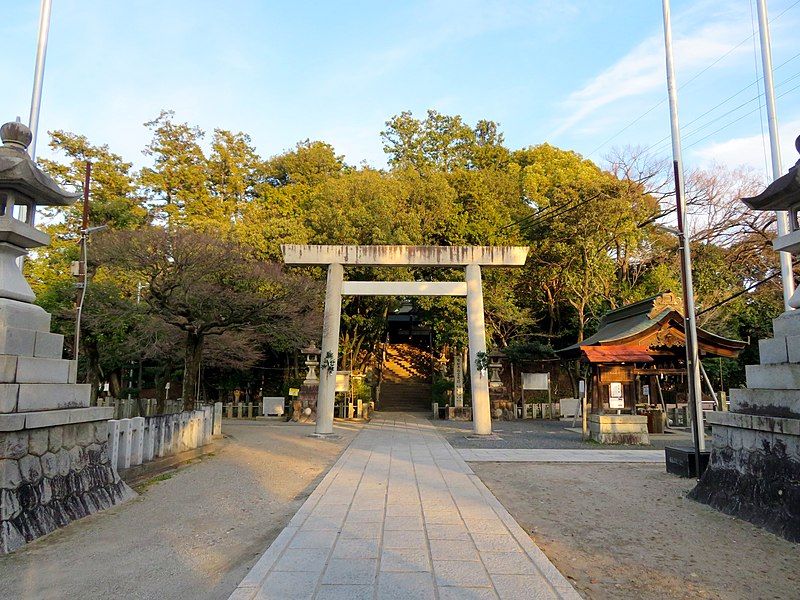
(93, 372)
(193, 356)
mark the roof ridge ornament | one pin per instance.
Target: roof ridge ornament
(666, 301)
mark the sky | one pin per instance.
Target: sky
(582, 75)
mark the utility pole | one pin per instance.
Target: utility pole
(82, 271)
(787, 274)
(38, 74)
(690, 325)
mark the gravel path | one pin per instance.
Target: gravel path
(192, 535)
(628, 532)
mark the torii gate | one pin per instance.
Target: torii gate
(472, 258)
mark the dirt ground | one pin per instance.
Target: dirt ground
(627, 531)
(190, 535)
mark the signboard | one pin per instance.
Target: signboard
(294, 391)
(615, 399)
(581, 388)
(343, 381)
(536, 381)
(458, 379)
(646, 390)
(611, 374)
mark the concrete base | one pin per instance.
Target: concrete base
(52, 476)
(619, 429)
(754, 473)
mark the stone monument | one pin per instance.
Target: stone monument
(54, 462)
(754, 470)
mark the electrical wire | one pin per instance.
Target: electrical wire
(690, 80)
(737, 294)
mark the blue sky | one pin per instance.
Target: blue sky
(572, 73)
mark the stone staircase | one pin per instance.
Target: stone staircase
(406, 379)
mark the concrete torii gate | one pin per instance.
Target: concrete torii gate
(472, 258)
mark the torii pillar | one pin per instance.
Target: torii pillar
(471, 258)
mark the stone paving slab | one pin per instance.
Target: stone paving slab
(402, 516)
(565, 455)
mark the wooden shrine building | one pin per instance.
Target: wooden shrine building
(638, 356)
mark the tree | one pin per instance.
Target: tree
(204, 286)
(114, 198)
(176, 185)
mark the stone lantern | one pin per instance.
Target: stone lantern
(502, 407)
(754, 468)
(56, 462)
(312, 363)
(304, 408)
(495, 368)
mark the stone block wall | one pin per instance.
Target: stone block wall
(754, 470)
(54, 475)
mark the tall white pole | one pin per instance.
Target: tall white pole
(690, 325)
(476, 332)
(326, 394)
(787, 275)
(38, 75)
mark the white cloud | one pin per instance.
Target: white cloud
(642, 70)
(750, 150)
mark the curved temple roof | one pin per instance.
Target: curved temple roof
(631, 326)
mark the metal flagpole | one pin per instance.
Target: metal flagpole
(690, 325)
(787, 275)
(38, 76)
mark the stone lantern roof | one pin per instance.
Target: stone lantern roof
(18, 172)
(781, 194)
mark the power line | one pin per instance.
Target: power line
(737, 294)
(659, 145)
(725, 55)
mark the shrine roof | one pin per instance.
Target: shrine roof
(628, 324)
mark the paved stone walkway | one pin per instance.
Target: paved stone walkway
(565, 455)
(402, 516)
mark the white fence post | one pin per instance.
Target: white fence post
(207, 424)
(217, 425)
(149, 439)
(124, 444)
(137, 440)
(113, 443)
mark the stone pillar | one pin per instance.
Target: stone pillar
(330, 344)
(458, 378)
(479, 381)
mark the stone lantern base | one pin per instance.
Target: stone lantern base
(754, 470)
(54, 461)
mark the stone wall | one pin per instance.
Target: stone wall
(54, 475)
(754, 472)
